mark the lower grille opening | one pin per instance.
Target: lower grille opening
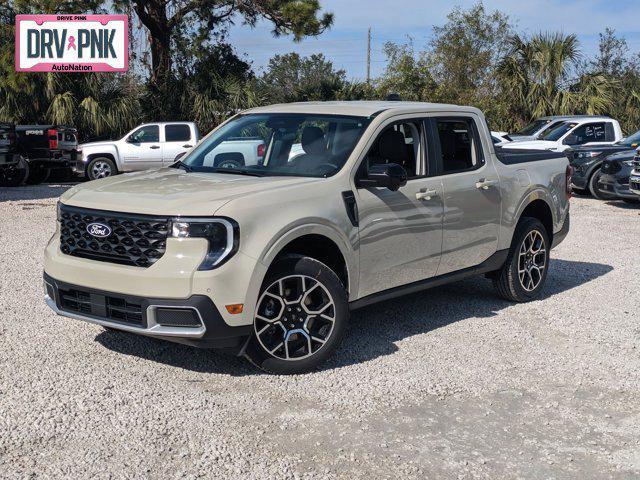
(112, 307)
(177, 317)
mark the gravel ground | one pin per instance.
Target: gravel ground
(451, 383)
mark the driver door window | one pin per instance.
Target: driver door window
(147, 134)
(399, 143)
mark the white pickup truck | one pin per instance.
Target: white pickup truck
(574, 133)
(148, 146)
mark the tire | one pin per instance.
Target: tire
(593, 187)
(101, 167)
(289, 335)
(15, 177)
(37, 176)
(510, 281)
(230, 164)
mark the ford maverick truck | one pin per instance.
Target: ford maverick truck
(268, 260)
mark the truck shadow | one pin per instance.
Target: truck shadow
(373, 331)
(43, 191)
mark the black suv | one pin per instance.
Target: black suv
(587, 162)
(614, 179)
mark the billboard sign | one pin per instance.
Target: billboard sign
(72, 43)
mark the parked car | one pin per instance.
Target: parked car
(587, 162)
(535, 129)
(31, 152)
(148, 146)
(574, 133)
(500, 138)
(267, 260)
(634, 179)
(613, 180)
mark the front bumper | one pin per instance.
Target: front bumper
(634, 184)
(617, 185)
(204, 328)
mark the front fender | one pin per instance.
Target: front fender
(89, 153)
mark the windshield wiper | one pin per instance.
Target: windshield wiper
(235, 171)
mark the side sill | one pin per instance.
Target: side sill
(494, 262)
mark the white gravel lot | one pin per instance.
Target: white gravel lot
(450, 383)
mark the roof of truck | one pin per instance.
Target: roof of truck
(358, 108)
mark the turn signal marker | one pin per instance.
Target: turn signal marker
(235, 309)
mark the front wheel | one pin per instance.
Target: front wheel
(300, 319)
(595, 189)
(101, 167)
(16, 175)
(523, 275)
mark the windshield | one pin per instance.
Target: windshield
(631, 140)
(558, 132)
(533, 127)
(278, 144)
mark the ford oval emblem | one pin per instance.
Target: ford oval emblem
(99, 230)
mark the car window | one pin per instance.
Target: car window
(177, 133)
(399, 143)
(278, 144)
(533, 127)
(556, 133)
(460, 148)
(590, 132)
(146, 134)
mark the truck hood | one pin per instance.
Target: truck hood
(171, 192)
(103, 143)
(535, 145)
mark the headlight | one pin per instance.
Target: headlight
(221, 233)
(589, 154)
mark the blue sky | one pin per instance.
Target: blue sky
(392, 20)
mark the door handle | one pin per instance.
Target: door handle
(154, 147)
(426, 194)
(484, 184)
(187, 146)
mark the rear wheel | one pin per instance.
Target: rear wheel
(38, 175)
(300, 318)
(101, 167)
(523, 275)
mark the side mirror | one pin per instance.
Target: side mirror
(388, 175)
(129, 139)
(571, 140)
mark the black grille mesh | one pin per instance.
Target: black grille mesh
(134, 240)
(109, 307)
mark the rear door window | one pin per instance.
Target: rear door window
(459, 142)
(591, 132)
(177, 133)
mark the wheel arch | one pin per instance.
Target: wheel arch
(540, 210)
(322, 243)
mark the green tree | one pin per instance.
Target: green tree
(192, 24)
(407, 73)
(538, 77)
(464, 54)
(292, 78)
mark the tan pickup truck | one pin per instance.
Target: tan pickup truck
(267, 260)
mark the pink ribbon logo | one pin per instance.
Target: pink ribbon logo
(72, 43)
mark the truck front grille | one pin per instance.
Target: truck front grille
(136, 240)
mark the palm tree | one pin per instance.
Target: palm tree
(538, 77)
